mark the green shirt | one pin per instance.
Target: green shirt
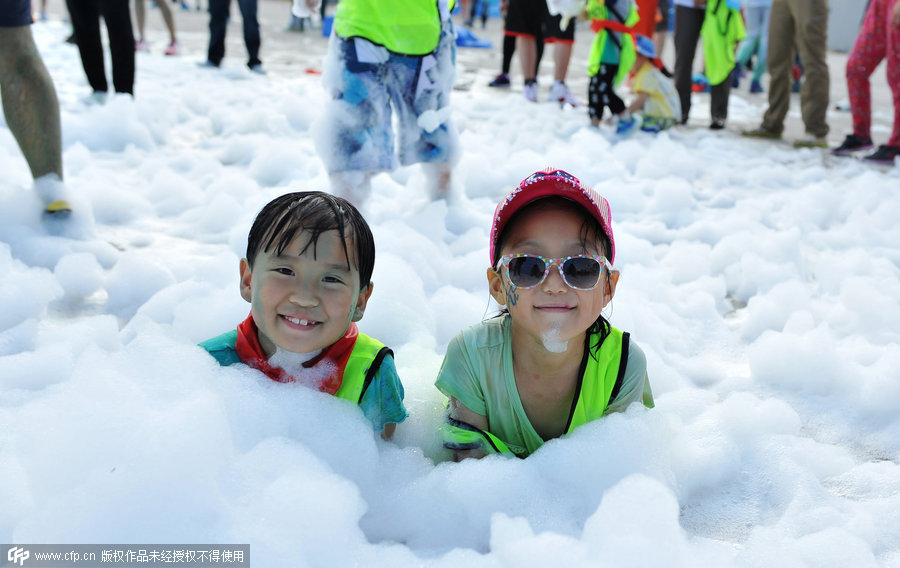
(478, 372)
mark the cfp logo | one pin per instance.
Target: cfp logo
(17, 555)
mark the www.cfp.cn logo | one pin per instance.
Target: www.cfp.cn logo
(17, 555)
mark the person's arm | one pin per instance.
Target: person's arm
(639, 101)
(382, 402)
(896, 17)
(459, 412)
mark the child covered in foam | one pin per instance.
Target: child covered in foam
(550, 361)
(307, 276)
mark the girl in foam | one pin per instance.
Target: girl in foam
(550, 361)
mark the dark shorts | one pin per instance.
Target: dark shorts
(663, 8)
(15, 13)
(530, 18)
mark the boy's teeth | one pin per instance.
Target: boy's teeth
(298, 321)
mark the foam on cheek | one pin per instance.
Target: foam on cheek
(552, 342)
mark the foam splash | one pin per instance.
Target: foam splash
(292, 364)
(552, 342)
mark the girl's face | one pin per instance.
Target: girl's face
(551, 313)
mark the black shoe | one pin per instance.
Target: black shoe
(884, 155)
(853, 143)
(501, 80)
(717, 124)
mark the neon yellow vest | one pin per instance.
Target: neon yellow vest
(722, 28)
(364, 361)
(403, 27)
(603, 374)
(627, 54)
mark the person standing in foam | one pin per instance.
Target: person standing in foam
(550, 361)
(307, 276)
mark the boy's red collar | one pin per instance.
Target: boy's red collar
(251, 353)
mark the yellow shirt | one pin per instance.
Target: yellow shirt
(663, 101)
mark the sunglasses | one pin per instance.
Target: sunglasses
(581, 272)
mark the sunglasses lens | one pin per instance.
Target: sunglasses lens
(582, 273)
(526, 271)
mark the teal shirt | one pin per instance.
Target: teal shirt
(382, 403)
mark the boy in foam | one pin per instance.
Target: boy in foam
(550, 361)
(307, 276)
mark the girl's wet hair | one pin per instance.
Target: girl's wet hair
(591, 232)
(313, 212)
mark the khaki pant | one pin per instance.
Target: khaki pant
(804, 24)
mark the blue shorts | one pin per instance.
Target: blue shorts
(15, 13)
(368, 84)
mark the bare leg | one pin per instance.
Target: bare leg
(355, 187)
(527, 56)
(141, 17)
(437, 176)
(167, 18)
(562, 54)
(659, 41)
(29, 102)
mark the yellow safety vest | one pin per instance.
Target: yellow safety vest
(599, 383)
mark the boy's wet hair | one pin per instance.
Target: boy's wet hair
(313, 212)
(591, 232)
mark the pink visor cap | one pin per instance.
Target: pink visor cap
(552, 183)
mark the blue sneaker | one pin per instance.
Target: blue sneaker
(755, 86)
(623, 127)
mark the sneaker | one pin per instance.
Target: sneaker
(173, 48)
(560, 92)
(811, 141)
(531, 92)
(142, 45)
(257, 68)
(717, 124)
(755, 86)
(853, 143)
(501, 80)
(624, 126)
(884, 155)
(761, 133)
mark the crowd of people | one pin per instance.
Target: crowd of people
(407, 70)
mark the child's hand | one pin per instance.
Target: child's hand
(699, 3)
(896, 18)
(313, 5)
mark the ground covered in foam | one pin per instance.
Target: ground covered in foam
(761, 281)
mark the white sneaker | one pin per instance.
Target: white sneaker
(560, 92)
(531, 92)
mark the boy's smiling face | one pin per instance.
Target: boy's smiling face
(304, 302)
